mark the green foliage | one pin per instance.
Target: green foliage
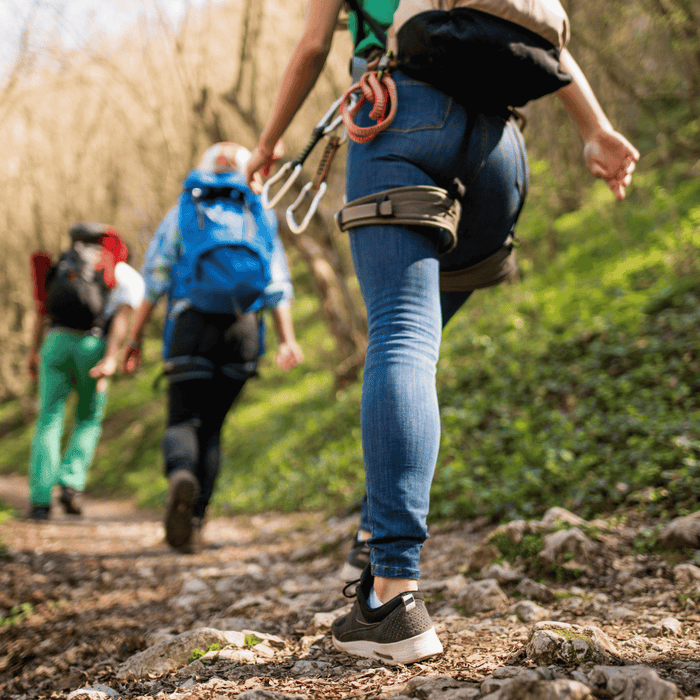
(17, 614)
(577, 387)
(251, 640)
(199, 653)
(528, 548)
(196, 654)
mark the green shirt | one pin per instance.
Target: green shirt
(380, 10)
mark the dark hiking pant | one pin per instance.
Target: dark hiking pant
(210, 359)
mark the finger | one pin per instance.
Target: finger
(617, 188)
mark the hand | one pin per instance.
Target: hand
(105, 368)
(610, 156)
(131, 360)
(33, 365)
(289, 355)
(259, 163)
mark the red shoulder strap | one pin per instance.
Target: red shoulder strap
(40, 264)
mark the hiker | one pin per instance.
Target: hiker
(473, 155)
(83, 305)
(214, 330)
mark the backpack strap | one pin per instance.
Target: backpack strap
(40, 265)
(362, 19)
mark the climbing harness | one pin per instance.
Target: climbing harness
(421, 205)
(379, 89)
(499, 267)
(290, 171)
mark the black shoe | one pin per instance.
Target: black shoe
(357, 561)
(398, 632)
(38, 512)
(194, 544)
(184, 489)
(71, 500)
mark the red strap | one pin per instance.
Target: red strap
(40, 264)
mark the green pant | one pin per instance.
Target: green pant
(66, 359)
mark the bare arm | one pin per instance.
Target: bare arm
(289, 354)
(302, 71)
(608, 154)
(132, 354)
(107, 366)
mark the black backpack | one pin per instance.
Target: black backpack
(76, 290)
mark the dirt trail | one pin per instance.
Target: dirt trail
(86, 594)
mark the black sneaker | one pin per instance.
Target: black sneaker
(398, 632)
(357, 561)
(183, 492)
(71, 500)
(38, 512)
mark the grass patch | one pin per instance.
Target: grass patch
(578, 387)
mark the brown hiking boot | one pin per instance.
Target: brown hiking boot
(183, 492)
(194, 544)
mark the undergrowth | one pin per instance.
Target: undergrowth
(578, 387)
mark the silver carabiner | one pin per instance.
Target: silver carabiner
(265, 196)
(326, 126)
(298, 228)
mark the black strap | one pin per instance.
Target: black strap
(362, 19)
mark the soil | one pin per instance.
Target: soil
(80, 595)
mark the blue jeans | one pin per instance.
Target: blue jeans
(398, 271)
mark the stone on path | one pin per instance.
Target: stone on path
(171, 654)
(558, 642)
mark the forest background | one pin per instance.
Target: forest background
(577, 386)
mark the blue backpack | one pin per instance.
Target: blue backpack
(226, 249)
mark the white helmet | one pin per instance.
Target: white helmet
(224, 157)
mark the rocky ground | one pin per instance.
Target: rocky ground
(98, 607)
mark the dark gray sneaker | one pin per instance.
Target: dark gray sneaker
(182, 494)
(71, 500)
(39, 512)
(356, 562)
(398, 632)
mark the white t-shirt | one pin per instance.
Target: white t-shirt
(129, 290)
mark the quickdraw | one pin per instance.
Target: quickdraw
(317, 185)
(378, 88)
(291, 170)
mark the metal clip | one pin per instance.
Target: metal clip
(298, 228)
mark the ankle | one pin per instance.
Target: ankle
(388, 588)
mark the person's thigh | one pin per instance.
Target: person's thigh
(494, 173)
(54, 373)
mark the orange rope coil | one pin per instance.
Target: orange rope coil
(381, 92)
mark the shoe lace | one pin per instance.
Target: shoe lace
(354, 585)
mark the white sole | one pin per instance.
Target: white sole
(406, 651)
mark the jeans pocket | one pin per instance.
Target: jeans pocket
(419, 106)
